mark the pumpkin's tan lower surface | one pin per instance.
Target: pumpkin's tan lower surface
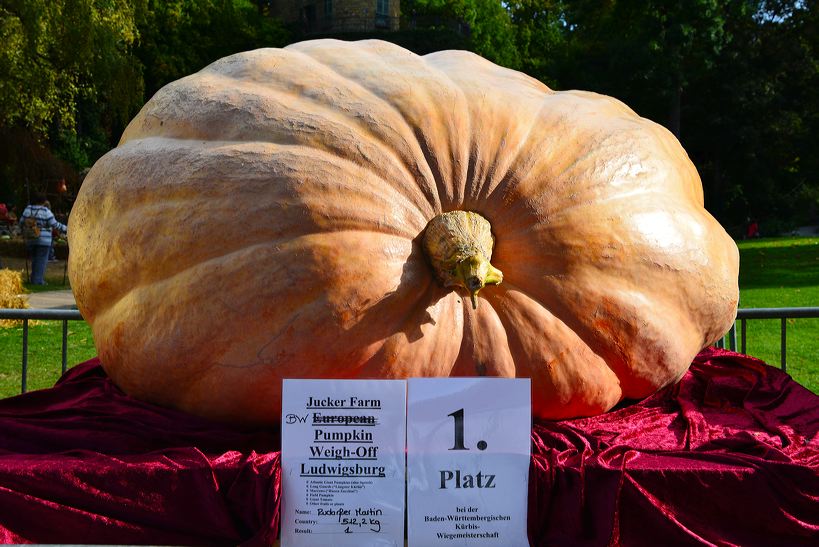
(262, 219)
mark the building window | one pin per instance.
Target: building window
(308, 18)
(382, 13)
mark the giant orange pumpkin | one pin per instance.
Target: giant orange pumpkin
(267, 218)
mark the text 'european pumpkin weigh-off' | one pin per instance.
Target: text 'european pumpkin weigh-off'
(352, 210)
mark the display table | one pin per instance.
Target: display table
(728, 456)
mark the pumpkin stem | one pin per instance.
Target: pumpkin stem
(459, 246)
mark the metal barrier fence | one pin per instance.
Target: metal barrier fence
(783, 314)
(49, 315)
(743, 315)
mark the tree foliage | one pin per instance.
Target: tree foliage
(55, 53)
(541, 37)
(74, 72)
(485, 24)
(639, 49)
(179, 37)
(757, 117)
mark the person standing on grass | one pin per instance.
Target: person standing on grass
(36, 223)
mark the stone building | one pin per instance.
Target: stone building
(330, 16)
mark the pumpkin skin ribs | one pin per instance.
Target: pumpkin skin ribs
(264, 219)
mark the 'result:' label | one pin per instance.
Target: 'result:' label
(343, 462)
(468, 450)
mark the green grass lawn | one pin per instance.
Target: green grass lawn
(782, 272)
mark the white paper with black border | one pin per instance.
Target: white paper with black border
(468, 451)
(343, 462)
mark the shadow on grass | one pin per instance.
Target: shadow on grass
(790, 263)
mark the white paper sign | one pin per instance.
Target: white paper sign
(468, 448)
(343, 462)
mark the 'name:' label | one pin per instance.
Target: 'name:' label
(468, 448)
(343, 462)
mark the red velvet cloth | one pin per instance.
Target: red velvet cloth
(729, 456)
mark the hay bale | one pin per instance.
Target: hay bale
(11, 295)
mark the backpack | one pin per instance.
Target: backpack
(31, 230)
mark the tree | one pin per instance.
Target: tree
(639, 49)
(759, 117)
(53, 53)
(59, 60)
(179, 37)
(74, 72)
(541, 32)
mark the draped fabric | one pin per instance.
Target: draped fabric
(728, 456)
